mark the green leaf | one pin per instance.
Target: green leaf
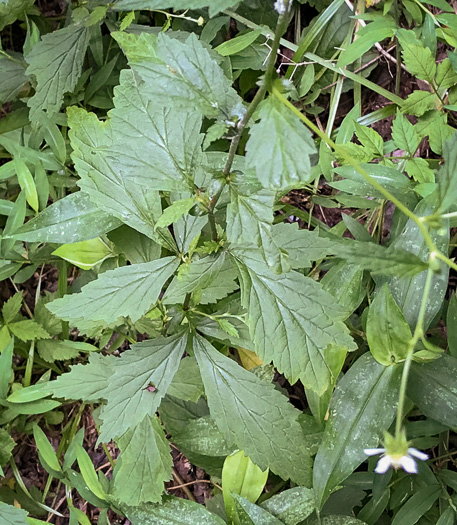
(418, 102)
(292, 320)
(45, 449)
(214, 5)
(6, 368)
(378, 259)
(10, 10)
(451, 325)
(12, 307)
(337, 520)
(249, 221)
(28, 330)
(446, 77)
(242, 477)
(187, 383)
(447, 176)
(181, 74)
(84, 254)
(88, 473)
(11, 515)
(433, 390)
(12, 76)
(302, 246)
(202, 436)
(279, 146)
(362, 408)
(404, 135)
(419, 61)
(129, 291)
(291, 506)
(370, 138)
(136, 247)
(388, 333)
(56, 62)
(174, 212)
(56, 350)
(145, 463)
(252, 414)
(166, 513)
(419, 170)
(26, 182)
(422, 501)
(7, 445)
(250, 514)
(71, 219)
(237, 44)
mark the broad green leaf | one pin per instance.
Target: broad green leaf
(11, 308)
(91, 140)
(446, 77)
(6, 367)
(60, 350)
(56, 62)
(11, 515)
(404, 135)
(292, 320)
(362, 408)
(242, 477)
(408, 291)
(171, 509)
(249, 221)
(378, 259)
(388, 333)
(182, 75)
(447, 176)
(30, 394)
(337, 520)
(413, 510)
(26, 182)
(250, 514)
(187, 383)
(140, 379)
(129, 291)
(28, 330)
(45, 449)
(10, 10)
(291, 506)
(419, 170)
(302, 246)
(451, 325)
(12, 76)
(418, 102)
(85, 254)
(237, 44)
(174, 212)
(418, 59)
(252, 414)
(433, 389)
(88, 473)
(369, 138)
(136, 247)
(202, 436)
(71, 219)
(279, 146)
(145, 463)
(214, 5)
(7, 445)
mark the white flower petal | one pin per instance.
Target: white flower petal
(417, 454)
(408, 464)
(373, 451)
(383, 465)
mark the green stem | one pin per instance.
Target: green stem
(62, 290)
(373, 182)
(29, 366)
(418, 333)
(108, 455)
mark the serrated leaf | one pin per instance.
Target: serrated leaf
(140, 379)
(12, 307)
(11, 515)
(362, 408)
(12, 76)
(292, 320)
(404, 135)
(136, 247)
(214, 5)
(129, 291)
(28, 330)
(419, 170)
(388, 333)
(302, 246)
(10, 10)
(72, 219)
(183, 74)
(418, 102)
(378, 259)
(249, 221)
(446, 77)
(144, 465)
(56, 350)
(447, 176)
(370, 138)
(419, 61)
(175, 211)
(7, 445)
(432, 388)
(56, 62)
(252, 414)
(187, 382)
(189, 513)
(279, 146)
(291, 506)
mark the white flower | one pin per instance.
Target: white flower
(404, 461)
(280, 6)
